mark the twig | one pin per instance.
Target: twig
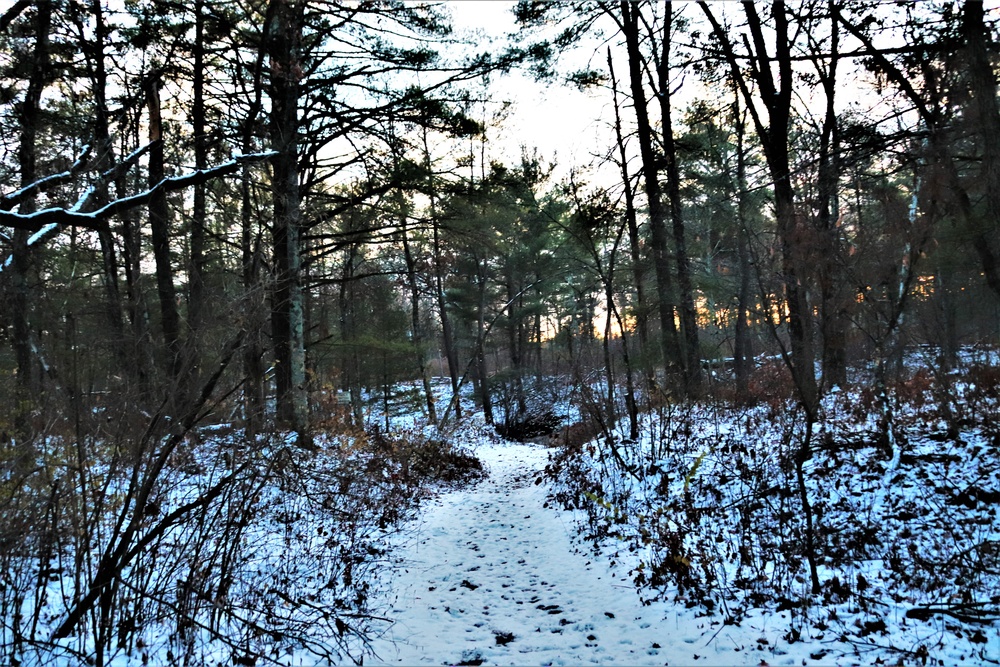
(966, 612)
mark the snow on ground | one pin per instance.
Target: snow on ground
(700, 512)
(492, 574)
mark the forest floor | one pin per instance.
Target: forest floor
(687, 547)
(494, 573)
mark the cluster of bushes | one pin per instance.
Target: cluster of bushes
(706, 506)
(152, 540)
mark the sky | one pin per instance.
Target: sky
(569, 126)
(565, 125)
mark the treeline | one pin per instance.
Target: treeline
(813, 188)
(310, 187)
(196, 185)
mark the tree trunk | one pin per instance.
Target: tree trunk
(777, 100)
(947, 331)
(125, 356)
(348, 337)
(521, 362)
(630, 392)
(480, 351)
(742, 352)
(252, 357)
(447, 334)
(415, 323)
(691, 358)
(159, 224)
(834, 302)
(199, 209)
(789, 225)
(137, 308)
(610, 413)
(515, 340)
(985, 118)
(287, 307)
(638, 271)
(657, 224)
(21, 265)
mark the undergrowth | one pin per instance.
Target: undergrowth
(154, 544)
(705, 509)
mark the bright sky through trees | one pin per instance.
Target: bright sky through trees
(565, 124)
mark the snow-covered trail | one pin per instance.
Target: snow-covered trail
(493, 577)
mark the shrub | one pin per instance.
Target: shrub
(530, 426)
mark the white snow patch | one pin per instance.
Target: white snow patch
(491, 574)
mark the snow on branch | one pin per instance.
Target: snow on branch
(73, 217)
(8, 202)
(47, 223)
(125, 163)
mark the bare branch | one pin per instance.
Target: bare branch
(12, 13)
(72, 217)
(8, 202)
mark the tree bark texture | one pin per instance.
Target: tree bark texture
(287, 306)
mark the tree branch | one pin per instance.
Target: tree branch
(71, 217)
(12, 13)
(8, 202)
